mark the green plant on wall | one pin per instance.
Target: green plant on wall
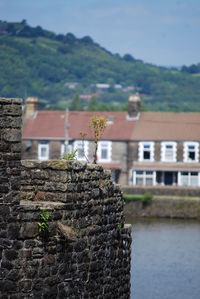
(119, 227)
(97, 126)
(70, 156)
(43, 223)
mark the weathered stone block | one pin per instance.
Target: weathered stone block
(8, 286)
(13, 275)
(11, 135)
(25, 285)
(13, 231)
(30, 164)
(29, 230)
(56, 176)
(12, 109)
(4, 146)
(11, 254)
(16, 148)
(5, 264)
(10, 122)
(52, 186)
(57, 164)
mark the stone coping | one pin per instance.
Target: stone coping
(10, 100)
(63, 164)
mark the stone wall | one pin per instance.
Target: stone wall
(165, 207)
(88, 247)
(119, 154)
(10, 155)
(84, 252)
(163, 190)
(10, 149)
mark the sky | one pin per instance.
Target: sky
(162, 32)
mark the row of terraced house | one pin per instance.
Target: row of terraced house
(140, 148)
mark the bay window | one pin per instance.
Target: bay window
(144, 178)
(189, 179)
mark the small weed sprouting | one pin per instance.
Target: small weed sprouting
(43, 223)
(70, 156)
(118, 227)
(97, 126)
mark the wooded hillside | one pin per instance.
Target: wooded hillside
(37, 62)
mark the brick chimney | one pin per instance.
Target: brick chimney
(31, 106)
(134, 106)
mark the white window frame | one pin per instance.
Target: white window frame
(141, 151)
(164, 149)
(106, 145)
(80, 144)
(41, 146)
(189, 176)
(186, 152)
(144, 177)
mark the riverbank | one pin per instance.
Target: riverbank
(166, 207)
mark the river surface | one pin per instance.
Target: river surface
(165, 260)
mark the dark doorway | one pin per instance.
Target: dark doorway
(168, 178)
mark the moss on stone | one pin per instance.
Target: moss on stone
(57, 164)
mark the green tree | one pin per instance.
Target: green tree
(76, 104)
(92, 104)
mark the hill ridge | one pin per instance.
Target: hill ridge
(39, 62)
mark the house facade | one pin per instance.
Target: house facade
(49, 134)
(164, 150)
(140, 148)
(44, 132)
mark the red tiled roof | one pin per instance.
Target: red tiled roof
(120, 129)
(45, 125)
(51, 125)
(150, 126)
(167, 126)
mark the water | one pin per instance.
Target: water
(165, 259)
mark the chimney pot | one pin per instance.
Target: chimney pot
(134, 105)
(31, 106)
